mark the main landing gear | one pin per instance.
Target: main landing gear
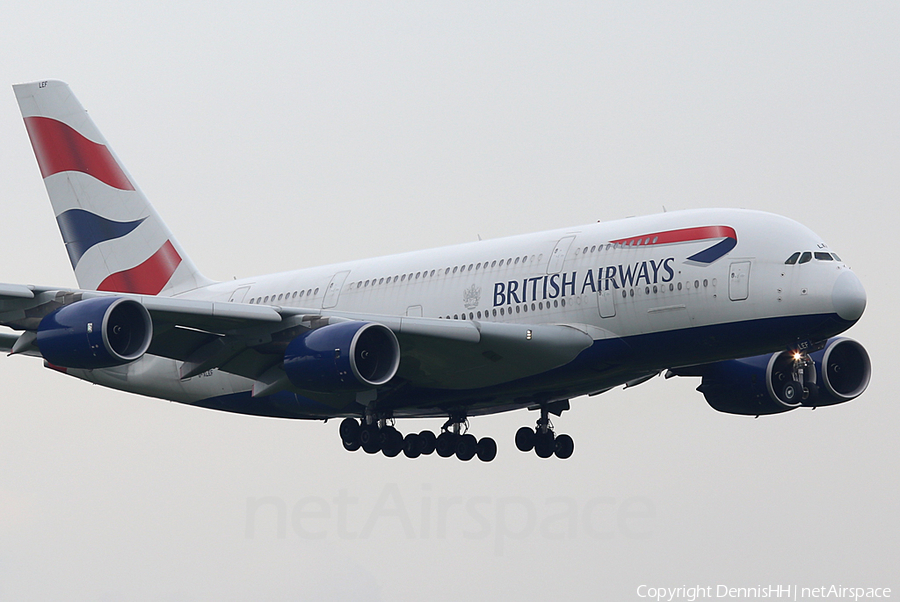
(376, 435)
(543, 440)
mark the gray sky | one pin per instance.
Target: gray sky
(272, 136)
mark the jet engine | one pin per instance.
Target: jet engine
(346, 356)
(766, 384)
(95, 333)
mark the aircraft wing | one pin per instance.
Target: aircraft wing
(250, 340)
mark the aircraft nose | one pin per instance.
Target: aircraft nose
(848, 296)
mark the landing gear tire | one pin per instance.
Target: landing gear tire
(369, 439)
(349, 430)
(564, 447)
(544, 445)
(391, 441)
(466, 447)
(525, 438)
(445, 446)
(412, 446)
(351, 445)
(810, 394)
(428, 442)
(486, 449)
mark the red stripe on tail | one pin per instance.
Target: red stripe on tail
(147, 278)
(58, 148)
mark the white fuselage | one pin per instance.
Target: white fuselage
(611, 279)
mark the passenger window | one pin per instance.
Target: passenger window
(807, 256)
(792, 259)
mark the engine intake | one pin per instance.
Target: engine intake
(95, 333)
(345, 356)
(843, 369)
(756, 385)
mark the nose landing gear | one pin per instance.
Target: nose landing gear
(800, 387)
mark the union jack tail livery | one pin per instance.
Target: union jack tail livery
(115, 239)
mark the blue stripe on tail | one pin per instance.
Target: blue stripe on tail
(82, 229)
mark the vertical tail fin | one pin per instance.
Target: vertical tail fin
(115, 239)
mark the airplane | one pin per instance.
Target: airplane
(752, 303)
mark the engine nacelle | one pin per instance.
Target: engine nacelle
(756, 385)
(95, 333)
(346, 356)
(843, 371)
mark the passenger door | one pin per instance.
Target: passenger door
(739, 281)
(333, 292)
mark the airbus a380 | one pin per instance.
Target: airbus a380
(750, 302)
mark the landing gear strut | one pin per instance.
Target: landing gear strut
(542, 439)
(799, 389)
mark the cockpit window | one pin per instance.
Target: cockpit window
(836, 258)
(792, 259)
(807, 256)
(824, 256)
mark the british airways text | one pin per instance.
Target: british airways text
(551, 286)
